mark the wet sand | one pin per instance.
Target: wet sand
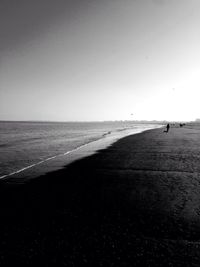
(136, 203)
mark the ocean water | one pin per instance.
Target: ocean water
(26, 144)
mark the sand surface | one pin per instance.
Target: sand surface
(136, 203)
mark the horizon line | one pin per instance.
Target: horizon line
(88, 121)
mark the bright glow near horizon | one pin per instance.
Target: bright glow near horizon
(101, 60)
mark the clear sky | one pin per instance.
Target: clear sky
(99, 59)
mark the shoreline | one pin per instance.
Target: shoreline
(135, 203)
(57, 162)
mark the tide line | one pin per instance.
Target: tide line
(68, 152)
(45, 160)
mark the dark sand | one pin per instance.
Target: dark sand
(136, 203)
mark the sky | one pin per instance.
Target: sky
(91, 60)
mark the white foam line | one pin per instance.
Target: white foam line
(59, 155)
(45, 160)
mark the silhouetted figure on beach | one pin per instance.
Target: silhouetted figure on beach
(167, 128)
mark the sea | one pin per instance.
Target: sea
(24, 145)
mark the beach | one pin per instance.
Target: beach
(134, 203)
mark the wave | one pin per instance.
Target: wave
(42, 161)
(104, 135)
(53, 157)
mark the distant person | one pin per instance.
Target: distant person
(167, 128)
